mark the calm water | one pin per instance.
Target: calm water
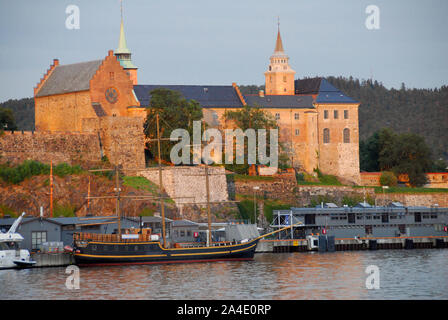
(404, 274)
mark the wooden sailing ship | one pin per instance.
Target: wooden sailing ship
(145, 248)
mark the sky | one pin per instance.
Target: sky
(209, 42)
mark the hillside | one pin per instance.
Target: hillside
(69, 196)
(421, 111)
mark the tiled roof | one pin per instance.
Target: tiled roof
(69, 78)
(206, 96)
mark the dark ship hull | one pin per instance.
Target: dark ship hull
(99, 253)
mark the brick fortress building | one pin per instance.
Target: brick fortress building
(318, 123)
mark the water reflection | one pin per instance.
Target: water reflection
(404, 274)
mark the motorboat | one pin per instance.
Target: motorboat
(11, 256)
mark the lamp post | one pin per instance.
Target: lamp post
(255, 205)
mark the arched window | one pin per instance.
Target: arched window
(326, 135)
(346, 135)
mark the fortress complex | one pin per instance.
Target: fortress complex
(318, 123)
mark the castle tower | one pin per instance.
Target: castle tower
(123, 54)
(279, 79)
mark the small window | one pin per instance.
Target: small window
(277, 116)
(346, 135)
(111, 75)
(325, 114)
(297, 132)
(345, 114)
(336, 114)
(284, 78)
(37, 238)
(326, 135)
(296, 116)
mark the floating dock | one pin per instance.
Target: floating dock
(349, 244)
(60, 259)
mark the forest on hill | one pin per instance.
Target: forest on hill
(420, 111)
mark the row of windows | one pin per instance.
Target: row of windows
(346, 135)
(335, 114)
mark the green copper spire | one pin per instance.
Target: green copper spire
(122, 46)
(122, 53)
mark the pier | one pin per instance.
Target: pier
(351, 244)
(59, 259)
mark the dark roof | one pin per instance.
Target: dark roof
(69, 78)
(325, 91)
(207, 96)
(274, 101)
(184, 223)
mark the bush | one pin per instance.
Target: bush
(30, 168)
(388, 179)
(63, 210)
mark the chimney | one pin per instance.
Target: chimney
(261, 93)
(55, 62)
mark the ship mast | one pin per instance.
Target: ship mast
(162, 207)
(207, 189)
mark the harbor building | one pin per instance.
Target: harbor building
(363, 220)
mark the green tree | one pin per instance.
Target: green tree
(255, 118)
(388, 178)
(175, 112)
(7, 121)
(405, 153)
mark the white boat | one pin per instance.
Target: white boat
(10, 254)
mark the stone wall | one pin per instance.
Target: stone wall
(121, 139)
(287, 190)
(189, 182)
(72, 148)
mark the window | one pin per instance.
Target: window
(37, 238)
(182, 233)
(284, 78)
(346, 135)
(296, 116)
(297, 132)
(326, 135)
(345, 114)
(336, 114)
(325, 114)
(417, 217)
(111, 75)
(277, 116)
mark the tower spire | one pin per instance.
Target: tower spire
(279, 78)
(122, 53)
(278, 44)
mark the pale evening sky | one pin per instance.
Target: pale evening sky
(220, 42)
